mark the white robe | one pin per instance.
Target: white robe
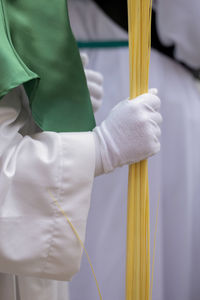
(36, 240)
(174, 174)
(178, 24)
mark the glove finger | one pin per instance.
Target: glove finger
(157, 132)
(96, 91)
(96, 104)
(155, 129)
(94, 76)
(153, 91)
(153, 101)
(156, 117)
(84, 58)
(156, 147)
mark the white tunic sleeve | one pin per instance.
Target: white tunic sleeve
(35, 238)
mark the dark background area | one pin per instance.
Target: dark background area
(117, 11)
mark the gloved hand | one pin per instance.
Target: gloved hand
(94, 82)
(129, 134)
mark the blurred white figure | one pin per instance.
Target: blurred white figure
(181, 28)
(174, 173)
(181, 221)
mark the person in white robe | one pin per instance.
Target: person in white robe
(36, 167)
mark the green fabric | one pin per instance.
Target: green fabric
(38, 49)
(102, 44)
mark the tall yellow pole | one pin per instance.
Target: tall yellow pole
(138, 225)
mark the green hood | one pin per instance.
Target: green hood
(39, 51)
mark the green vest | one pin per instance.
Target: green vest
(38, 50)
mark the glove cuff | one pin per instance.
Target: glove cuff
(106, 152)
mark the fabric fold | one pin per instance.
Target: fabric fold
(37, 42)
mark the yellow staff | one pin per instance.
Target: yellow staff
(138, 226)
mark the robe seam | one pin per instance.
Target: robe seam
(55, 215)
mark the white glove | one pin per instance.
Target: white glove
(129, 134)
(94, 82)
